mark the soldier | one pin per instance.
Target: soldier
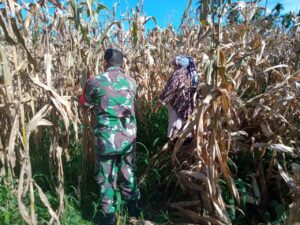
(112, 96)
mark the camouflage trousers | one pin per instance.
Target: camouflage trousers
(112, 172)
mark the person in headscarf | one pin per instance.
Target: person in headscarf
(180, 93)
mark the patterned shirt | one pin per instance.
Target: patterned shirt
(112, 95)
(179, 93)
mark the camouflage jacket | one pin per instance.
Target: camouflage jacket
(112, 95)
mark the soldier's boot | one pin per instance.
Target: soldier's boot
(109, 219)
(133, 208)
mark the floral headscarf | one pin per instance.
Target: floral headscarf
(188, 63)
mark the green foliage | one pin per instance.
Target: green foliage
(9, 211)
(151, 137)
(271, 211)
(10, 214)
(72, 214)
(277, 213)
(235, 210)
(135, 33)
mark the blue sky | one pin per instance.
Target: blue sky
(166, 11)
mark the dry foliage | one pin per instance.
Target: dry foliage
(48, 51)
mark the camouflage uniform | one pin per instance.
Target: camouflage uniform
(112, 95)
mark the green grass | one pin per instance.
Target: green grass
(9, 211)
(10, 214)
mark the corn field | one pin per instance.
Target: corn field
(250, 74)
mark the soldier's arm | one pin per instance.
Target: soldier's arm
(88, 93)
